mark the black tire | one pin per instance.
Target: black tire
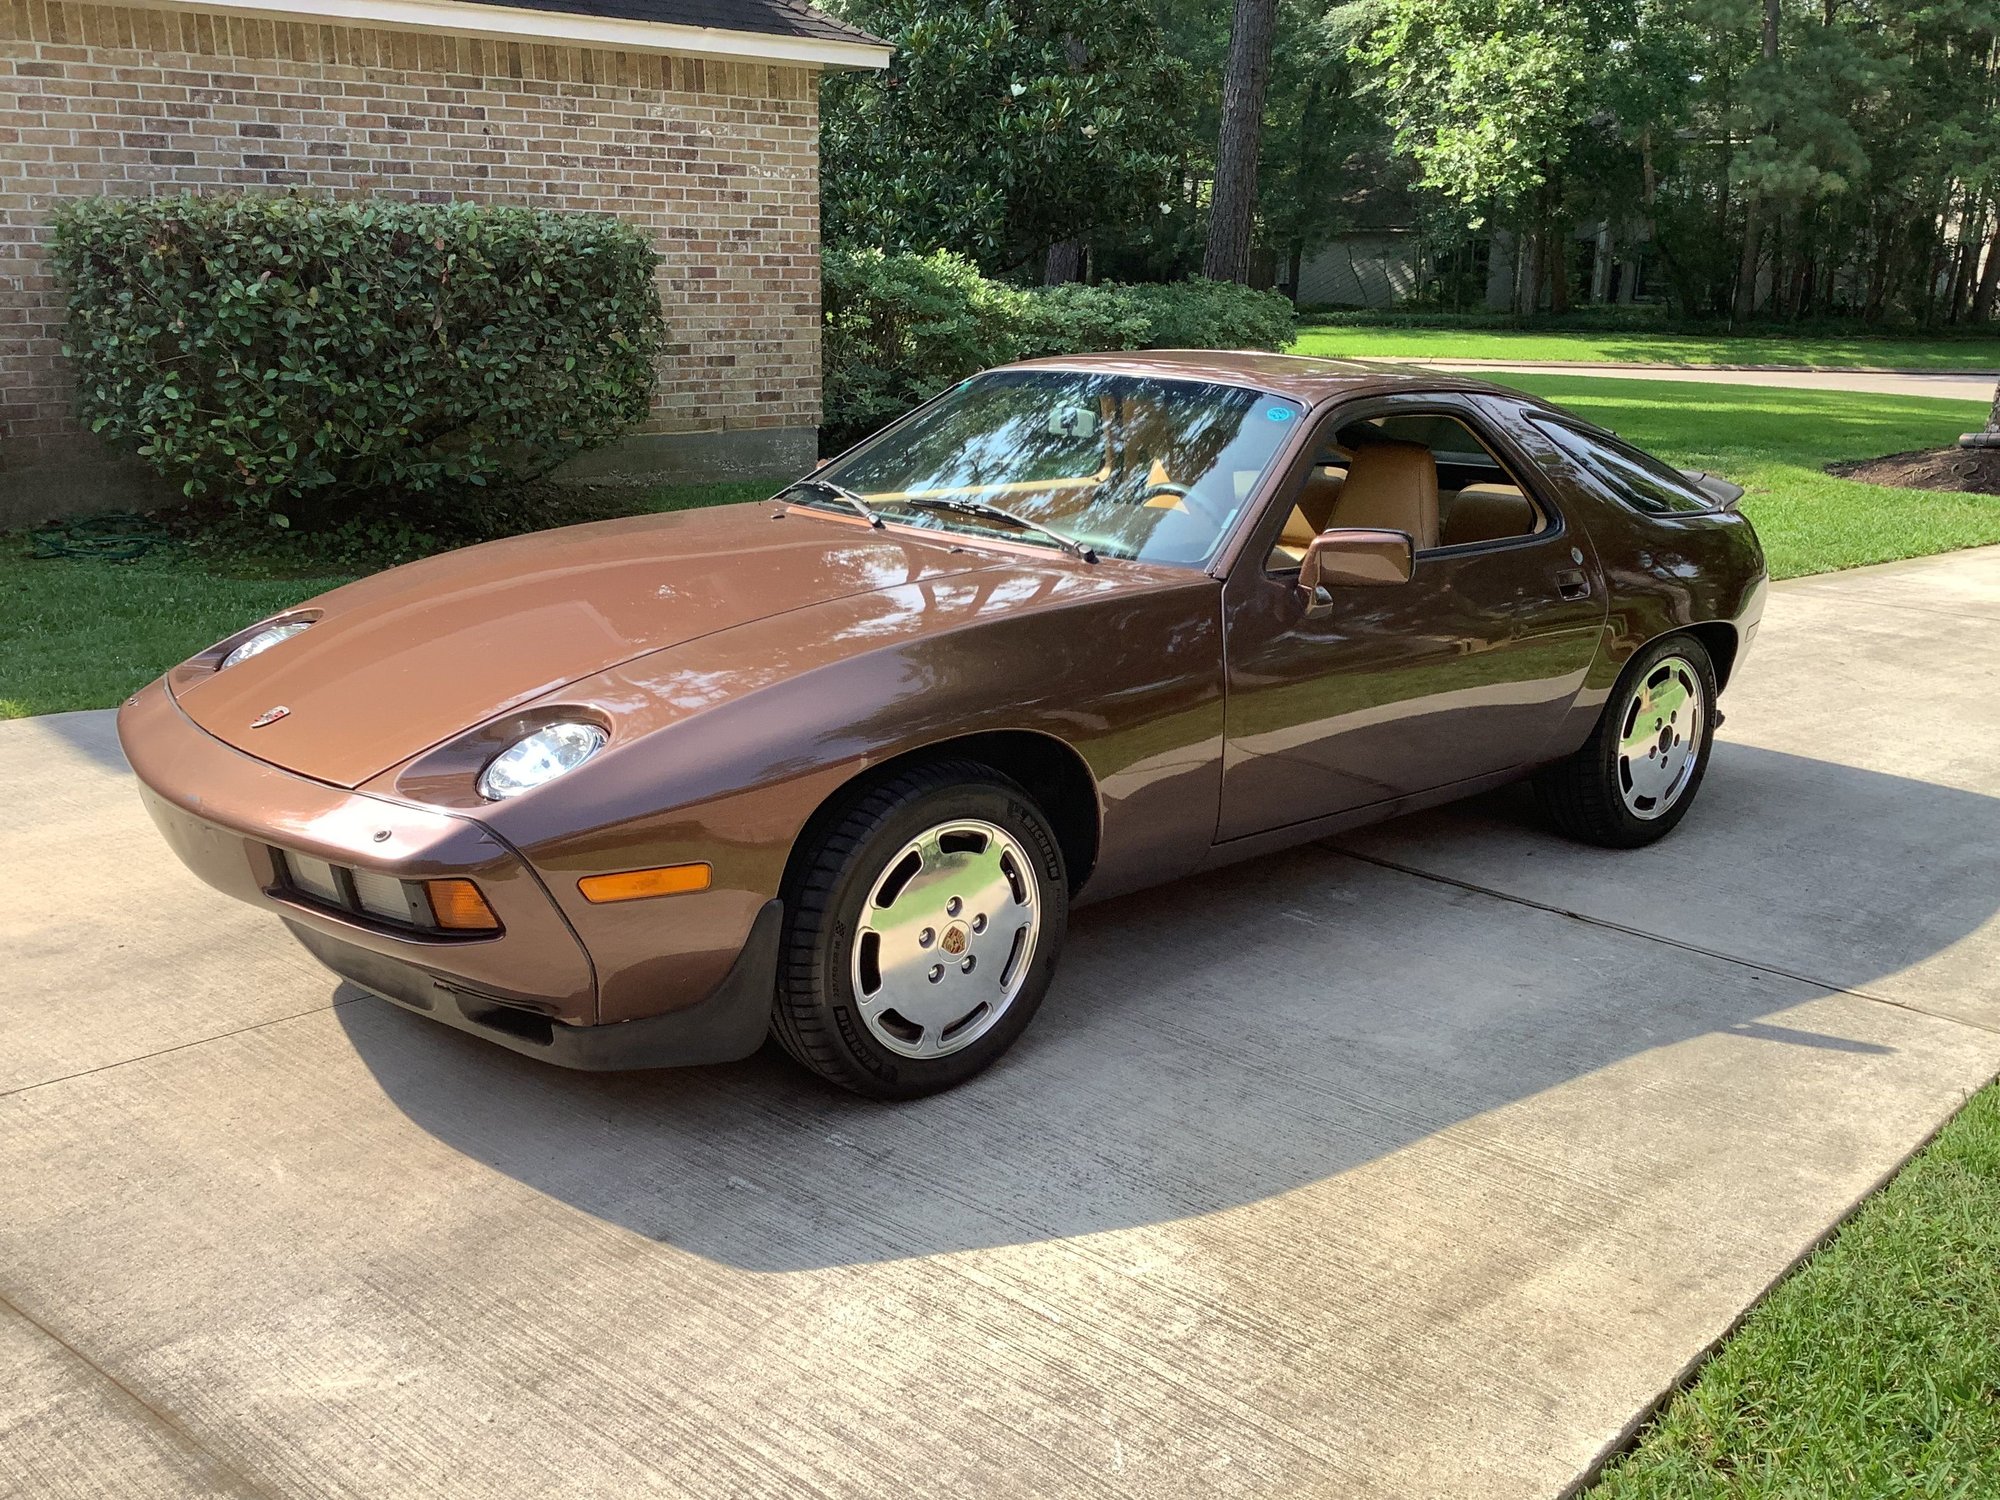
(817, 1017)
(1585, 795)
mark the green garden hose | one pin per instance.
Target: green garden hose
(116, 537)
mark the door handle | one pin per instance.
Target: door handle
(1571, 584)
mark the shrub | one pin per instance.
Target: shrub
(1215, 315)
(1080, 319)
(282, 352)
(900, 328)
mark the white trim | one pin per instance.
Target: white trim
(506, 23)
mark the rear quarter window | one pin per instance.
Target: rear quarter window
(1639, 479)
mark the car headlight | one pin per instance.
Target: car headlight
(263, 641)
(539, 758)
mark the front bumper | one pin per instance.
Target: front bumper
(531, 986)
(729, 1024)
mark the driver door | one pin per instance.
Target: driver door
(1466, 669)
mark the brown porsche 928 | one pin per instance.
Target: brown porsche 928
(836, 766)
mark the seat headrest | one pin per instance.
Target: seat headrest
(1393, 486)
(1486, 513)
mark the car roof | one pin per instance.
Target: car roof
(1301, 377)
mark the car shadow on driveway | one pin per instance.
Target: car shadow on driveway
(1235, 1036)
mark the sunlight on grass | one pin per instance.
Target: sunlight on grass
(1648, 348)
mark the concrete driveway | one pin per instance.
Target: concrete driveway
(1419, 1165)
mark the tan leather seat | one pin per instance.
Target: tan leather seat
(1392, 486)
(1486, 513)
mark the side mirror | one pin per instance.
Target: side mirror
(1354, 558)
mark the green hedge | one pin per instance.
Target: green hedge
(900, 328)
(287, 353)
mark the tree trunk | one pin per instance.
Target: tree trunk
(1753, 220)
(1309, 143)
(1746, 270)
(1065, 263)
(1558, 241)
(1234, 203)
(1878, 278)
(1989, 279)
(1965, 270)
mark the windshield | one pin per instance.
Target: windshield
(1156, 470)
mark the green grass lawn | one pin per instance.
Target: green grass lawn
(1776, 444)
(83, 634)
(1873, 1371)
(1649, 348)
(79, 634)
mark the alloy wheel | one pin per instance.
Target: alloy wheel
(1659, 738)
(945, 938)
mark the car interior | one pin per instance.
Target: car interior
(1425, 473)
(1129, 470)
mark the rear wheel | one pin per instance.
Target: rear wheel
(1637, 774)
(922, 930)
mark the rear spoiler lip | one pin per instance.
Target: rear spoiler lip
(1722, 492)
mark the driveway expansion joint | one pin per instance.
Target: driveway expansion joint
(190, 1044)
(1608, 925)
(240, 1482)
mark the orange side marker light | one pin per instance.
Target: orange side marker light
(459, 907)
(634, 885)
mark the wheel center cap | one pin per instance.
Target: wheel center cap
(954, 939)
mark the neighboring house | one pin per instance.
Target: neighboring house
(698, 119)
(1367, 254)
(1361, 268)
(1384, 266)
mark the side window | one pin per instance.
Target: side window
(1639, 479)
(1457, 494)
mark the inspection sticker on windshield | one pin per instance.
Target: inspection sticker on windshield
(1280, 413)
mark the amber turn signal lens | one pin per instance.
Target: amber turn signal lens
(631, 885)
(459, 907)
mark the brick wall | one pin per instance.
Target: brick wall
(717, 159)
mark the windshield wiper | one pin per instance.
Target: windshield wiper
(1063, 540)
(841, 493)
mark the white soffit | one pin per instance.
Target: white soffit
(506, 23)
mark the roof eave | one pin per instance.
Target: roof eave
(557, 28)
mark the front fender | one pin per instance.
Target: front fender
(724, 747)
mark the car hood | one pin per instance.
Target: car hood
(409, 658)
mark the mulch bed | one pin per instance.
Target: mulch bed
(1966, 470)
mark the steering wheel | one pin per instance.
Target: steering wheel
(1189, 501)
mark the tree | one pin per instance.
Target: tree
(1233, 205)
(1499, 101)
(1323, 148)
(1753, 207)
(1000, 130)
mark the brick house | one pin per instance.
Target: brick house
(695, 118)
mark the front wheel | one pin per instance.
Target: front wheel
(1637, 774)
(921, 932)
